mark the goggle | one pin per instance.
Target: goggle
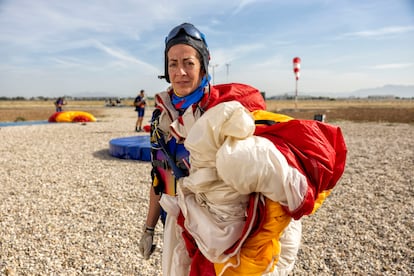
(189, 30)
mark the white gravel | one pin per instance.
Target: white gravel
(69, 208)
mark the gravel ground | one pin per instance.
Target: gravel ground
(69, 208)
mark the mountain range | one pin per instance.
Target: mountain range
(400, 91)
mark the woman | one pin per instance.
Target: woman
(190, 95)
(227, 213)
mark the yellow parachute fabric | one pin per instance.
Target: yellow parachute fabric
(270, 116)
(260, 252)
(320, 199)
(74, 116)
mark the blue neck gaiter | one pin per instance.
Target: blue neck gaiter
(194, 97)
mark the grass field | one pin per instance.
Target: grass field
(395, 111)
(11, 111)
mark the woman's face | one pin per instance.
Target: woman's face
(184, 69)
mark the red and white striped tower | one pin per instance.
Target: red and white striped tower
(296, 71)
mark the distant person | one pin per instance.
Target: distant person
(139, 103)
(59, 103)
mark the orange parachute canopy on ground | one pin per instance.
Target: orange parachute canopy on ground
(71, 117)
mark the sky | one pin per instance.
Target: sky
(116, 47)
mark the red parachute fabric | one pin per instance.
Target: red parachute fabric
(316, 149)
(52, 118)
(147, 128)
(247, 95)
(80, 119)
(200, 265)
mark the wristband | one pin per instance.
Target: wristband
(149, 229)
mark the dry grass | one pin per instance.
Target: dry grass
(401, 111)
(11, 111)
(394, 111)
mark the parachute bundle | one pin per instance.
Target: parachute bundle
(285, 166)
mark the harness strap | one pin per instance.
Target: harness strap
(178, 172)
